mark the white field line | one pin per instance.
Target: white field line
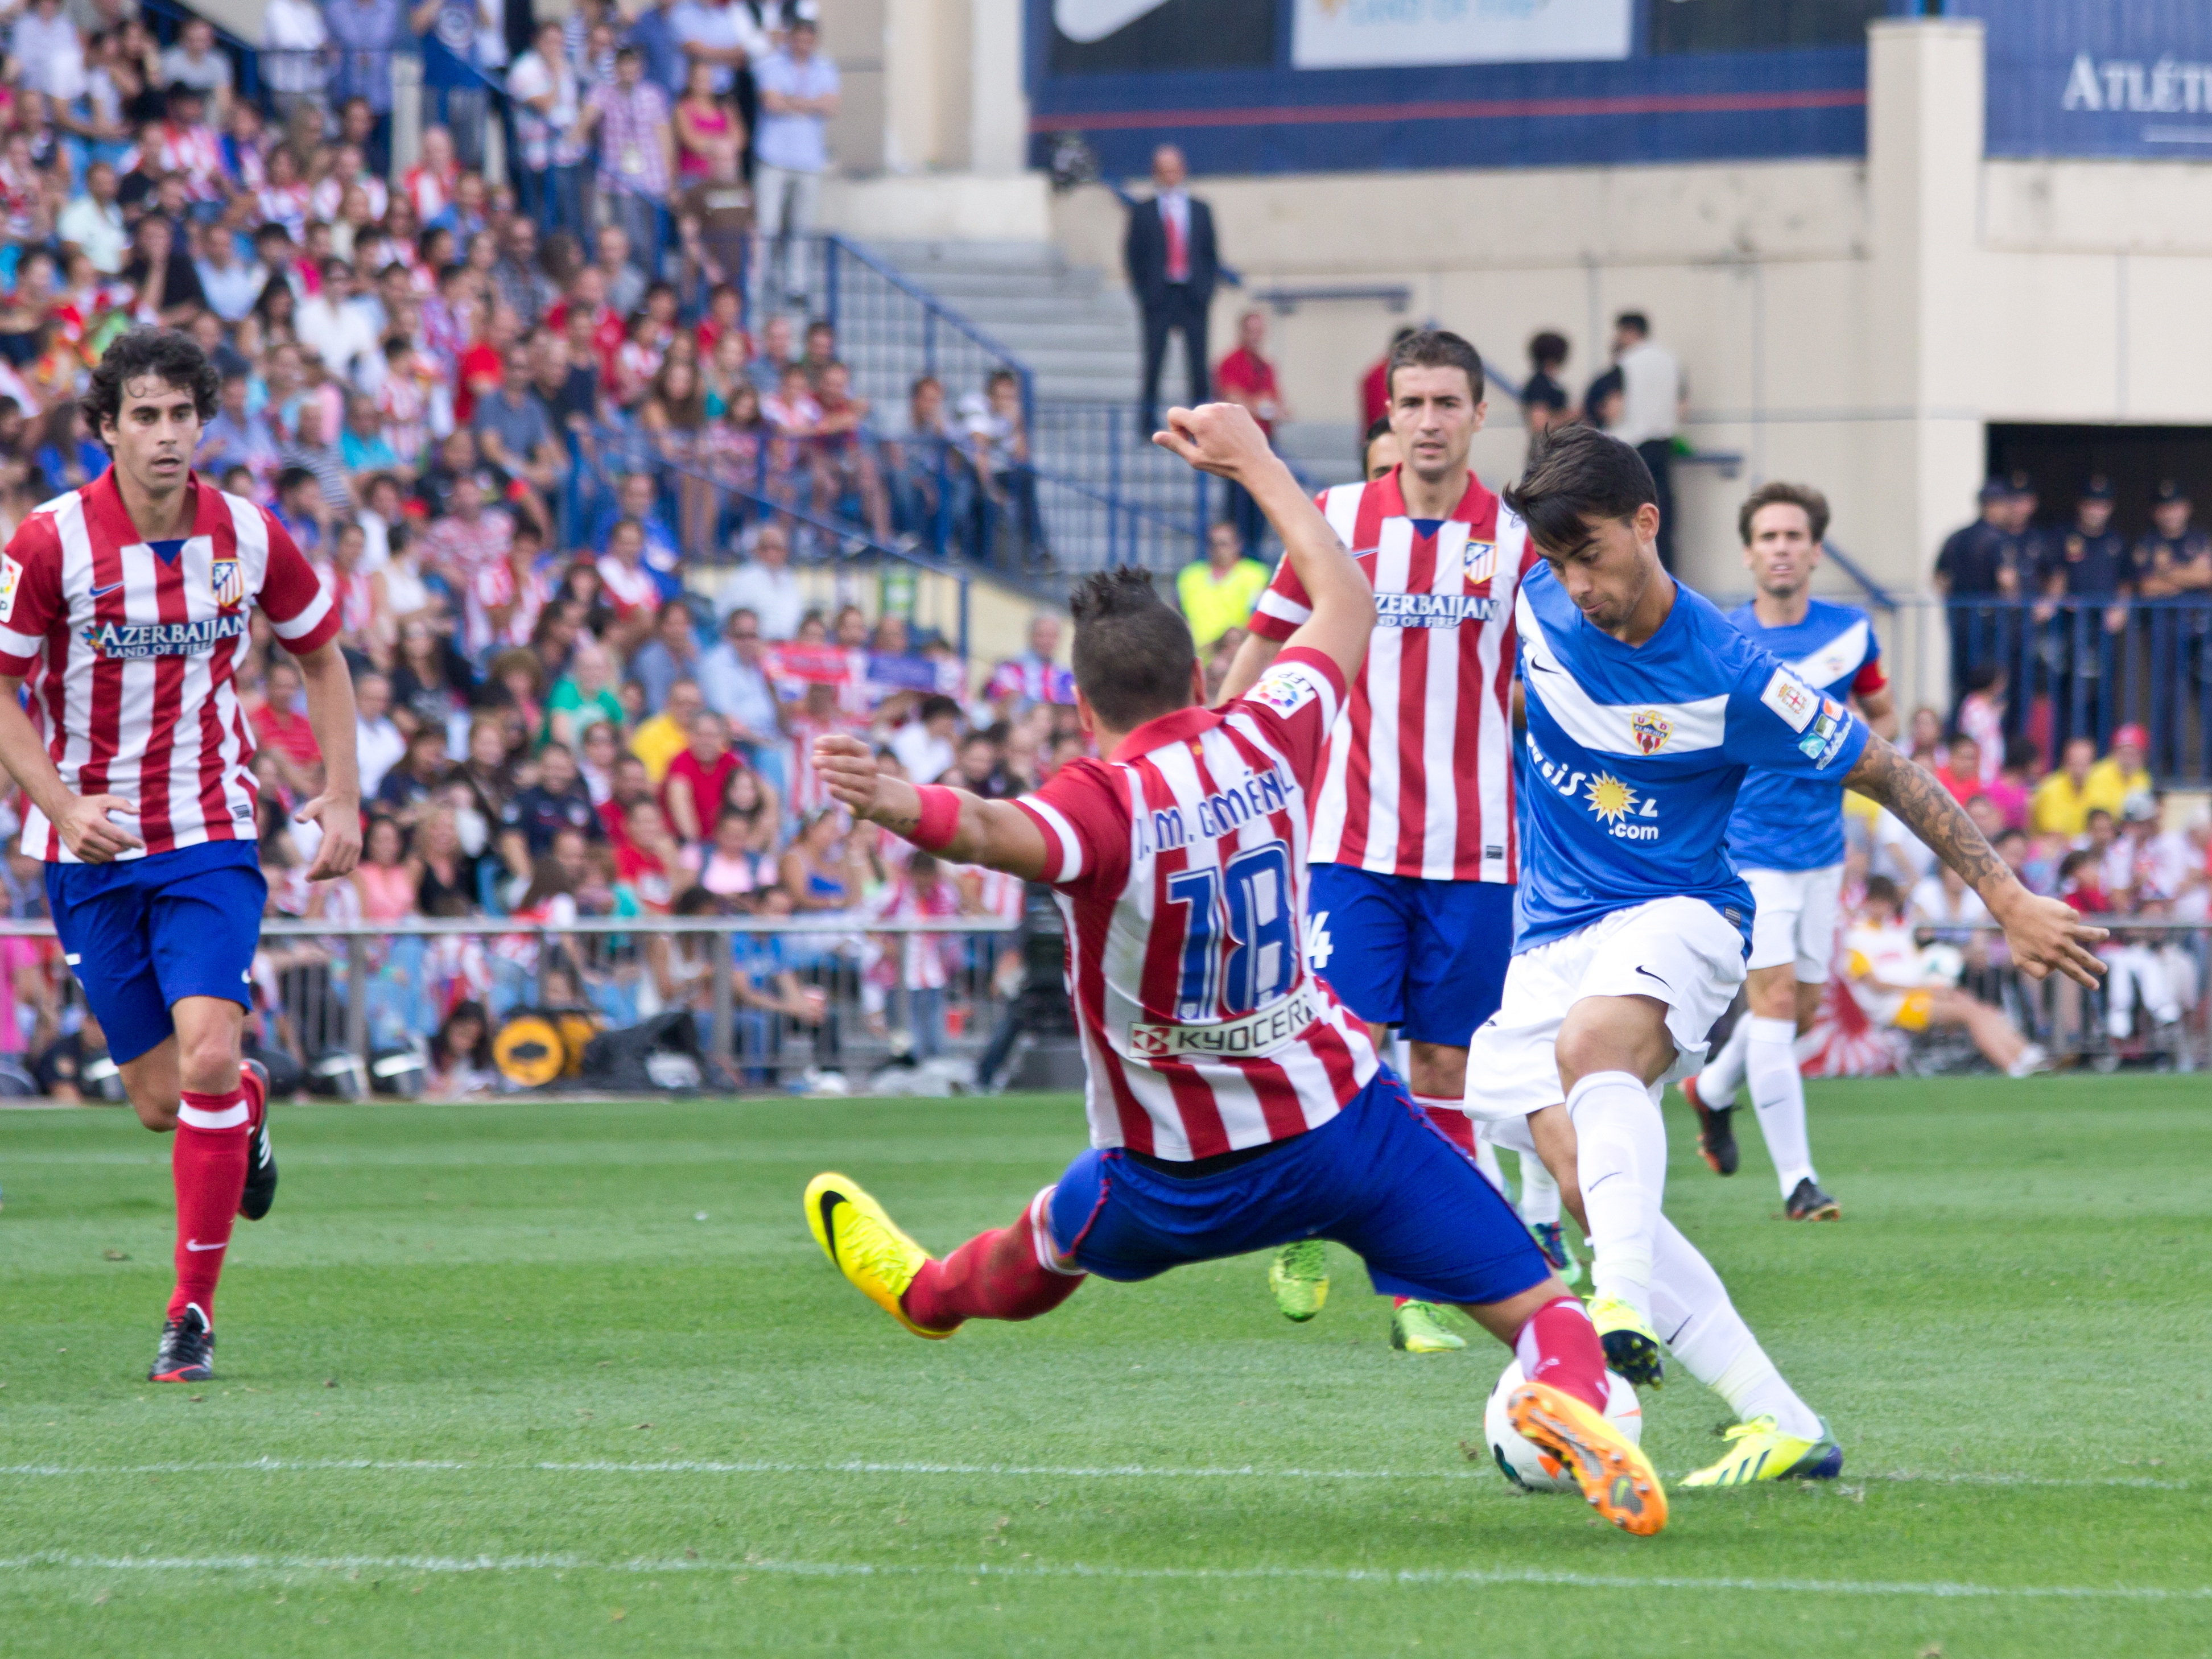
(355, 1564)
(1025, 1471)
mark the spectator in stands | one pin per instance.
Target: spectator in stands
(1544, 400)
(799, 95)
(2088, 564)
(1990, 558)
(924, 746)
(630, 119)
(673, 653)
(583, 694)
(1170, 257)
(766, 370)
(658, 739)
(293, 66)
(766, 586)
(2062, 801)
(691, 794)
(2121, 774)
(366, 33)
(1246, 377)
(1961, 771)
(408, 787)
(816, 870)
(735, 684)
(1218, 592)
(1654, 400)
(997, 434)
(537, 815)
(194, 62)
(1375, 385)
(1019, 682)
(2174, 558)
(548, 106)
(932, 479)
(654, 34)
(93, 223)
(379, 744)
(514, 431)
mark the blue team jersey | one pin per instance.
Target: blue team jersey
(1786, 821)
(1635, 754)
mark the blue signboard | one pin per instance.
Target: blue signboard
(1277, 86)
(2097, 77)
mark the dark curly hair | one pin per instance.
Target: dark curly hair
(1133, 651)
(167, 354)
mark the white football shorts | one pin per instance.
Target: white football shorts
(1795, 920)
(1681, 951)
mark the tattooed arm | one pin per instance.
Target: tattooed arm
(2045, 934)
(995, 834)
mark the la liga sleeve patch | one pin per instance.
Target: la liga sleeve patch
(1285, 688)
(11, 582)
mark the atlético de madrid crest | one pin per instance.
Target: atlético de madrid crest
(229, 582)
(1651, 730)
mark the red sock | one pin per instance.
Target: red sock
(994, 1275)
(1451, 1117)
(1559, 1346)
(209, 1167)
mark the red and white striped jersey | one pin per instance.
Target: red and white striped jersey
(1181, 869)
(1420, 775)
(130, 650)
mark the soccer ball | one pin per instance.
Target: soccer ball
(1518, 1458)
(1942, 965)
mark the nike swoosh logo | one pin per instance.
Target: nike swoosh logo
(194, 1244)
(1648, 974)
(828, 1205)
(1086, 21)
(102, 592)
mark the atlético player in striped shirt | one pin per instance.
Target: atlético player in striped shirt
(1414, 846)
(1234, 1103)
(124, 607)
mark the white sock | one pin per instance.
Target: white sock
(1622, 1166)
(1723, 1073)
(1694, 1316)
(1777, 1095)
(1539, 1193)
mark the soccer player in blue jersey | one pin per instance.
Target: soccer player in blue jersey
(1787, 837)
(1644, 709)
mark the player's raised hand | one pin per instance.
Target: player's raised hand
(341, 846)
(848, 767)
(1222, 439)
(85, 830)
(2047, 935)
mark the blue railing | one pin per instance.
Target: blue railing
(2084, 667)
(890, 331)
(733, 502)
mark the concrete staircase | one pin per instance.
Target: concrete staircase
(1077, 331)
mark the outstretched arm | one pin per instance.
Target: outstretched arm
(2045, 934)
(1225, 440)
(995, 834)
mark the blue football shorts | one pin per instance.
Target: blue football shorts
(1378, 1178)
(1427, 956)
(141, 934)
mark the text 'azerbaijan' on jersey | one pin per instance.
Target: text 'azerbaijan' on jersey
(1180, 864)
(1783, 820)
(1635, 754)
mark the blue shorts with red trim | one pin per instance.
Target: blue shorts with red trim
(141, 934)
(1378, 1178)
(1428, 956)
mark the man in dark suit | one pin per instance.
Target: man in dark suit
(1170, 256)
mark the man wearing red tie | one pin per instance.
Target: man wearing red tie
(1169, 255)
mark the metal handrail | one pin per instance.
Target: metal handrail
(821, 921)
(934, 311)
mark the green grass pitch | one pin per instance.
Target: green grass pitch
(556, 1377)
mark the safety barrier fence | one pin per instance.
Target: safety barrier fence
(774, 1003)
(838, 1001)
(2150, 1010)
